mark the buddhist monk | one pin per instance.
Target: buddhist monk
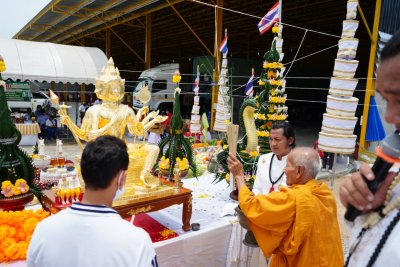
(297, 225)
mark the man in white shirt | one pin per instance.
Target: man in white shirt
(270, 166)
(91, 233)
(51, 126)
(82, 111)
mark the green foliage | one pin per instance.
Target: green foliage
(14, 162)
(212, 142)
(175, 144)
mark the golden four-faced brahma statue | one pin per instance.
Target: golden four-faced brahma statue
(113, 118)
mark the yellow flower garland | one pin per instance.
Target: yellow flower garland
(276, 82)
(263, 133)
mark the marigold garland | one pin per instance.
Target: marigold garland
(16, 229)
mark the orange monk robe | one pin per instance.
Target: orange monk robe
(297, 225)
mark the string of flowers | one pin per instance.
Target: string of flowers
(16, 229)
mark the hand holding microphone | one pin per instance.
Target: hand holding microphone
(388, 154)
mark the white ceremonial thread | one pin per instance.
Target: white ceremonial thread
(298, 49)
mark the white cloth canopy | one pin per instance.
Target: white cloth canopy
(49, 62)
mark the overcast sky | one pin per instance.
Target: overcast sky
(15, 14)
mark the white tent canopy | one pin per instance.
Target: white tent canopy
(48, 62)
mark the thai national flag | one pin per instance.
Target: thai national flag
(223, 47)
(249, 86)
(196, 82)
(269, 19)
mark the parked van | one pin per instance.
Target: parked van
(159, 81)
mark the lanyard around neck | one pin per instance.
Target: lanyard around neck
(270, 177)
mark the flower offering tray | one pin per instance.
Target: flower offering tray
(16, 202)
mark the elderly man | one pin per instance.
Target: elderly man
(298, 224)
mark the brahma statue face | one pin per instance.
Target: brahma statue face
(109, 85)
(112, 90)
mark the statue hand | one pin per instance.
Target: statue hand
(64, 119)
(160, 119)
(93, 134)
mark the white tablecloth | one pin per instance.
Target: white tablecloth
(29, 132)
(218, 243)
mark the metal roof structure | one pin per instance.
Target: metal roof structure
(183, 29)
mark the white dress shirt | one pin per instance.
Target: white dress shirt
(262, 184)
(89, 235)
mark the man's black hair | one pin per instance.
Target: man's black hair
(101, 161)
(288, 130)
(392, 48)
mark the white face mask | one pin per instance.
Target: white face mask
(119, 191)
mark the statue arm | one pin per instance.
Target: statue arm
(66, 120)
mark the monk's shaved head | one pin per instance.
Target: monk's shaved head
(307, 157)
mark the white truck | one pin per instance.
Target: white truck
(20, 97)
(159, 81)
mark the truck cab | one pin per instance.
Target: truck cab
(20, 97)
(159, 82)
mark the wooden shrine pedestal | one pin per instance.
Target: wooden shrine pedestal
(146, 204)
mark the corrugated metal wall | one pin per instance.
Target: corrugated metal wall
(390, 16)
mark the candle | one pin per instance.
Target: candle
(41, 147)
(59, 146)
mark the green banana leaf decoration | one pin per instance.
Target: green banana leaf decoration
(175, 145)
(271, 99)
(14, 162)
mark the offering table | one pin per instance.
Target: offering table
(29, 132)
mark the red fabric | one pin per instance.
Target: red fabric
(156, 230)
(168, 120)
(320, 152)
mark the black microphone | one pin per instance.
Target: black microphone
(388, 153)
